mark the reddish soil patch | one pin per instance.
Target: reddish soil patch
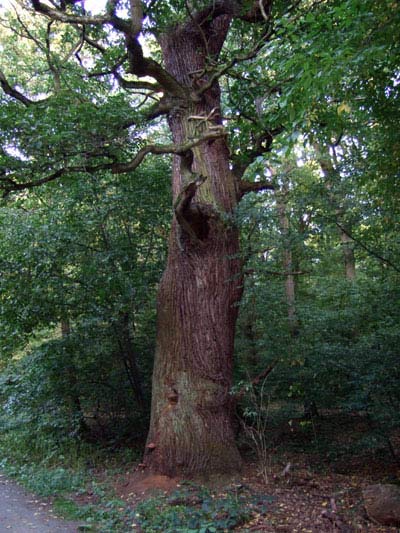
(139, 484)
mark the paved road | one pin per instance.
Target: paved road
(20, 512)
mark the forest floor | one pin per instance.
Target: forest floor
(312, 481)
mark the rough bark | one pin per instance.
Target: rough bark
(191, 427)
(191, 420)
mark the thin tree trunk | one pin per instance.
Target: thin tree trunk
(348, 255)
(191, 427)
(332, 175)
(76, 406)
(287, 261)
(129, 359)
(249, 331)
(310, 408)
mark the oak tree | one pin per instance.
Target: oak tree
(172, 55)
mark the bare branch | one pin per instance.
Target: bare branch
(14, 186)
(140, 66)
(144, 66)
(75, 48)
(124, 83)
(234, 61)
(99, 47)
(255, 381)
(28, 33)
(134, 84)
(261, 5)
(283, 274)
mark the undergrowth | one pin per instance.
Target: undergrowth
(196, 509)
(68, 471)
(64, 470)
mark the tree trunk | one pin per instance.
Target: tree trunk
(347, 243)
(309, 405)
(191, 419)
(348, 255)
(287, 260)
(70, 376)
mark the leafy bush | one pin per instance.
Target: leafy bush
(48, 482)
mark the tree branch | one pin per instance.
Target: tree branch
(124, 83)
(11, 91)
(97, 45)
(255, 381)
(164, 149)
(145, 66)
(237, 9)
(133, 84)
(136, 17)
(367, 249)
(254, 186)
(217, 74)
(261, 144)
(140, 66)
(283, 274)
(11, 185)
(62, 16)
